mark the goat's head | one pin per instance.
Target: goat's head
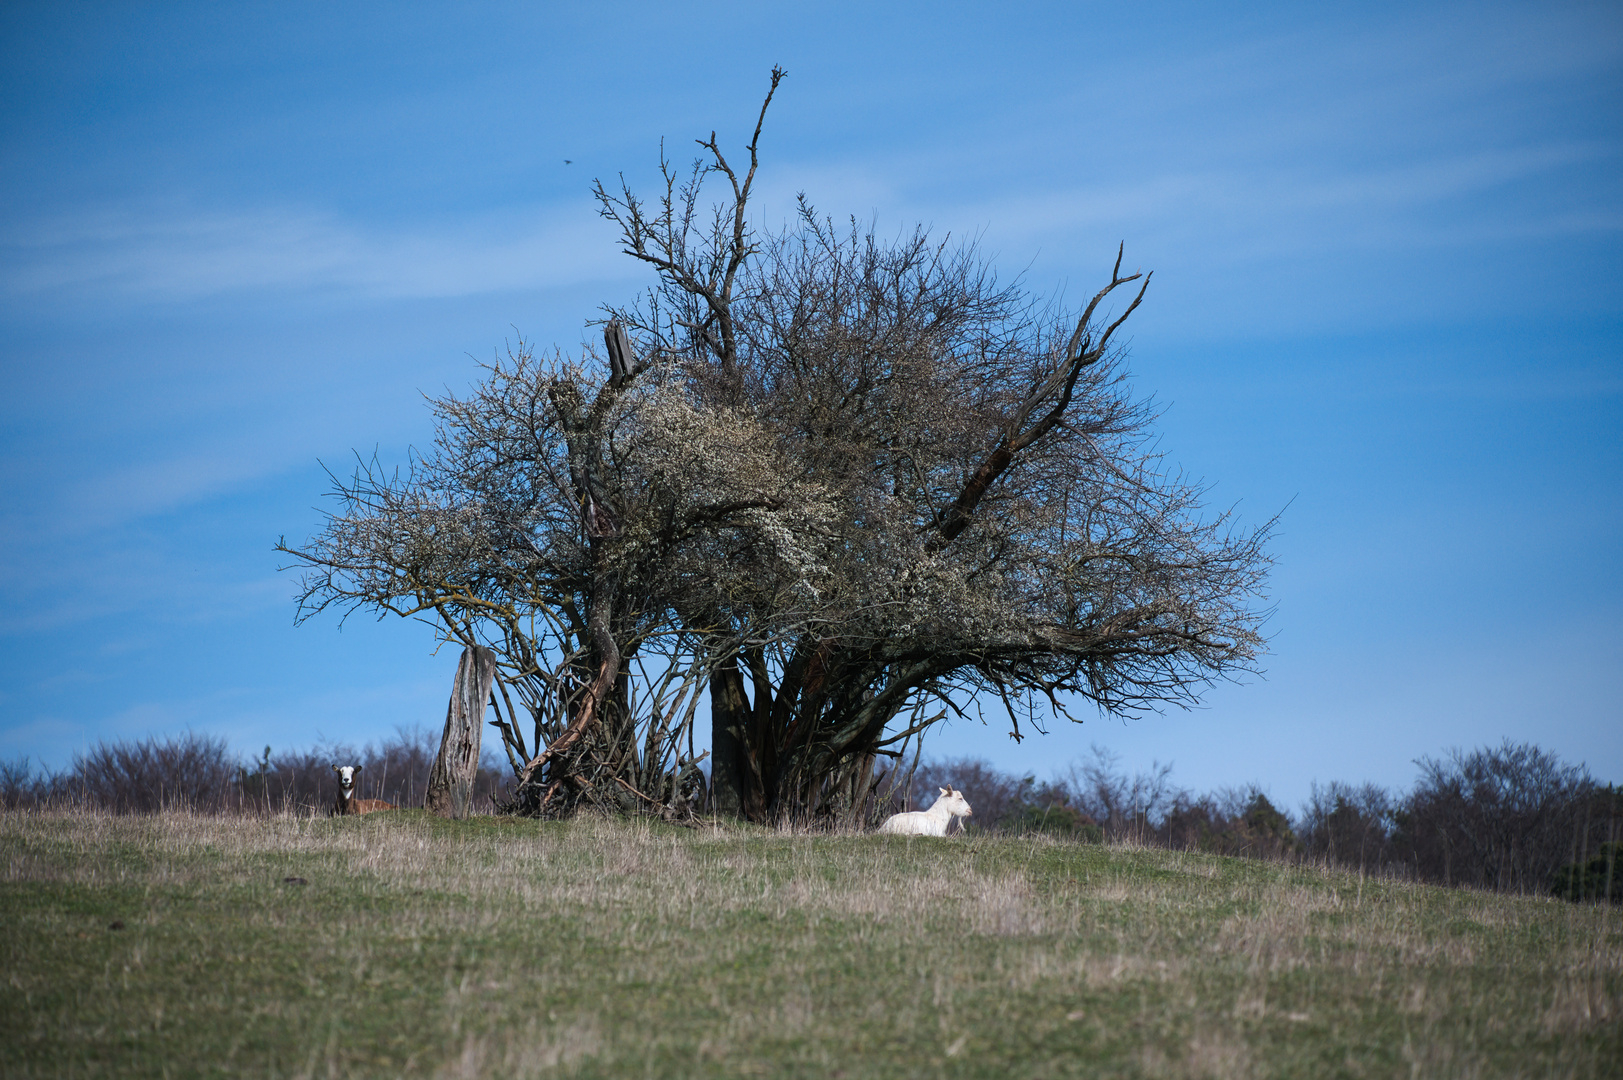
(346, 777)
(956, 804)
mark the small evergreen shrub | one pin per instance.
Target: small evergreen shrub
(1601, 878)
(1057, 820)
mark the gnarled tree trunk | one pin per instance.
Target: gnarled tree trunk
(729, 746)
(450, 781)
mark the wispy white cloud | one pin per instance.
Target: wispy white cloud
(1377, 135)
(173, 253)
(78, 549)
(88, 581)
(143, 488)
(352, 715)
(1229, 215)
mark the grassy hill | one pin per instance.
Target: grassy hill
(509, 948)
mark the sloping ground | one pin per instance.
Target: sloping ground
(509, 948)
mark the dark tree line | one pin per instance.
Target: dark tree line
(1095, 801)
(197, 773)
(1511, 818)
(836, 484)
(1506, 818)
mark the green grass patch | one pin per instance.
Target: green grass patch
(509, 948)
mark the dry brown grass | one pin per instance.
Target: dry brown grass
(513, 948)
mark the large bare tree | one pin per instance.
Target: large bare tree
(848, 485)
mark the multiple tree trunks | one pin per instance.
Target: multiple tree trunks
(807, 747)
(842, 482)
(450, 781)
(730, 786)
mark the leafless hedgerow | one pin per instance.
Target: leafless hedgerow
(1351, 825)
(197, 774)
(1502, 818)
(1507, 818)
(395, 770)
(21, 788)
(841, 483)
(1512, 818)
(191, 771)
(998, 798)
(1096, 801)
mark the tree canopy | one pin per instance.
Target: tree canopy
(845, 484)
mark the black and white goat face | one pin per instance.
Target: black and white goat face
(346, 777)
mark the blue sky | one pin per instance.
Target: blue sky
(237, 241)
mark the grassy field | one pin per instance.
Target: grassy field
(176, 946)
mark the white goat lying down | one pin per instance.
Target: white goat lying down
(347, 802)
(931, 822)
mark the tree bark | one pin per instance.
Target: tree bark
(450, 781)
(728, 772)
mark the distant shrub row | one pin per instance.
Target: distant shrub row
(197, 772)
(1512, 818)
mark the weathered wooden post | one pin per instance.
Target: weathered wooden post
(450, 781)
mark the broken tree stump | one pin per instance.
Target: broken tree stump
(450, 781)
